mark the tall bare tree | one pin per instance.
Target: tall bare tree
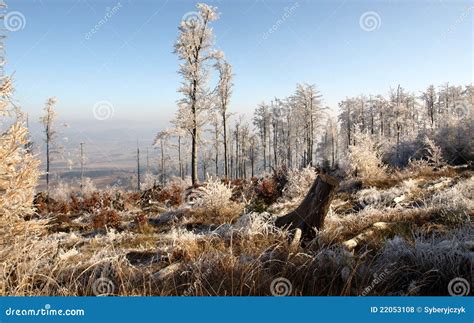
(50, 133)
(194, 48)
(224, 91)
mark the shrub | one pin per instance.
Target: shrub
(215, 195)
(88, 187)
(267, 190)
(455, 203)
(18, 167)
(299, 182)
(61, 192)
(172, 195)
(106, 219)
(365, 158)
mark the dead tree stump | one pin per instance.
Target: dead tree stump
(312, 211)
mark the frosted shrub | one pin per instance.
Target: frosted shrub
(427, 264)
(254, 223)
(88, 187)
(18, 167)
(61, 192)
(455, 202)
(377, 198)
(182, 184)
(215, 195)
(435, 156)
(365, 158)
(299, 182)
(149, 181)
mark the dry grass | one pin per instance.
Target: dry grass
(206, 250)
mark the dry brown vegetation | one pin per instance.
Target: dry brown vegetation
(415, 228)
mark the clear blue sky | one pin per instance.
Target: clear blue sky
(129, 60)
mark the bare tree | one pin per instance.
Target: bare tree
(261, 121)
(194, 49)
(308, 101)
(138, 168)
(82, 166)
(216, 131)
(224, 91)
(430, 97)
(18, 166)
(161, 142)
(50, 133)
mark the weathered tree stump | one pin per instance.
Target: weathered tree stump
(312, 211)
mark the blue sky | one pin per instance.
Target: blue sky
(129, 61)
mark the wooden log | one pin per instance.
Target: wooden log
(312, 211)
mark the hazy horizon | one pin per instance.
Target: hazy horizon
(117, 81)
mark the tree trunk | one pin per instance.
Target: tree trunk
(194, 166)
(47, 159)
(217, 152)
(312, 211)
(226, 162)
(181, 170)
(138, 168)
(162, 163)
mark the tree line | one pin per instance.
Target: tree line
(296, 131)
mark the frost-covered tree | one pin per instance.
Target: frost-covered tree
(224, 91)
(429, 96)
(161, 143)
(216, 130)
(261, 121)
(365, 157)
(308, 102)
(18, 167)
(194, 48)
(50, 133)
(329, 143)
